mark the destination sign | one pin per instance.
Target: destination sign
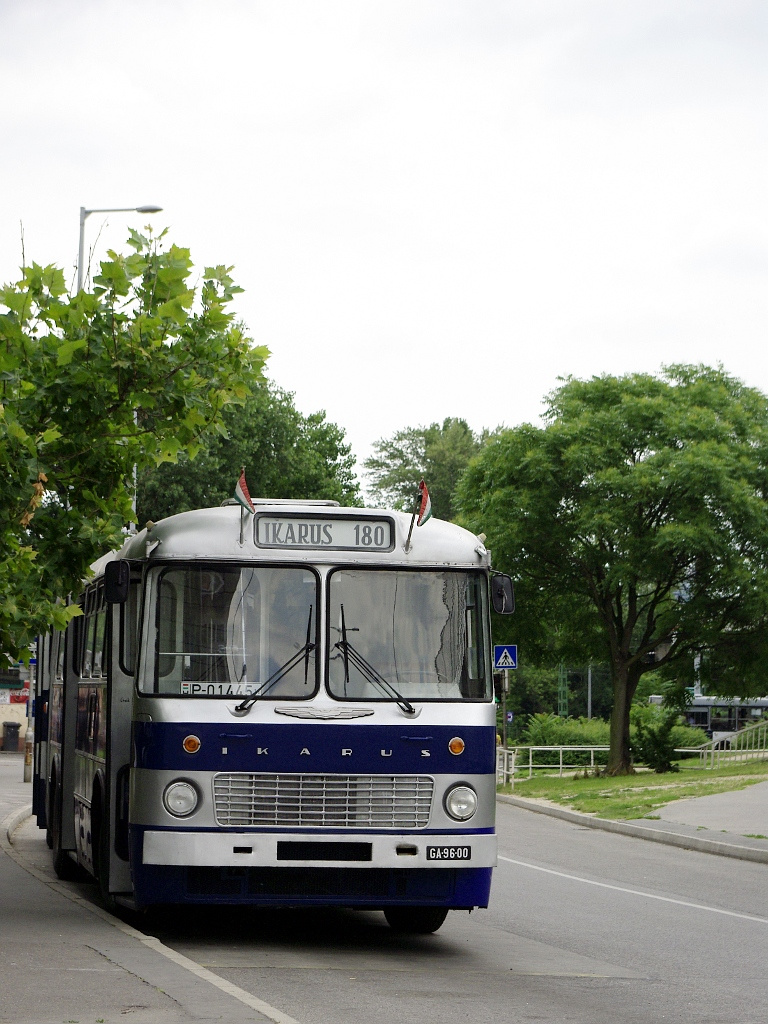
(334, 534)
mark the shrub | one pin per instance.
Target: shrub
(553, 731)
(654, 731)
(650, 716)
(653, 743)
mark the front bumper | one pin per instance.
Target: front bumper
(248, 849)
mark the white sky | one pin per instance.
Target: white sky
(436, 207)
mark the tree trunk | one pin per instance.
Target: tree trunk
(624, 686)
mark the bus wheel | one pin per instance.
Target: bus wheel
(66, 869)
(415, 920)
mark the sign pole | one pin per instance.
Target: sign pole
(504, 714)
(504, 659)
(504, 704)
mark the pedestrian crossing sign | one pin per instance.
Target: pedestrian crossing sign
(505, 656)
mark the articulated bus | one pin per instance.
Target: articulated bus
(287, 708)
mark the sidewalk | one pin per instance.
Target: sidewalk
(14, 792)
(63, 957)
(724, 823)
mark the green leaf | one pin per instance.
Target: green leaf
(176, 308)
(67, 349)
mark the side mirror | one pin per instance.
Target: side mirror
(502, 594)
(117, 580)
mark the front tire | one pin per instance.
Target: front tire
(415, 920)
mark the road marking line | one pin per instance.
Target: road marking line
(225, 986)
(13, 820)
(635, 892)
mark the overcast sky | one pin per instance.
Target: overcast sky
(436, 208)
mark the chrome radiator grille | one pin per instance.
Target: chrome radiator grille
(332, 801)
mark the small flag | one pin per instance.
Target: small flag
(242, 494)
(425, 505)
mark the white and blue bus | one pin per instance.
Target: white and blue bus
(290, 708)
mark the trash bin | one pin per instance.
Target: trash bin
(11, 735)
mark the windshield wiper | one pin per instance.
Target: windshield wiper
(353, 656)
(303, 652)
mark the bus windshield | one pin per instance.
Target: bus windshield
(401, 635)
(223, 631)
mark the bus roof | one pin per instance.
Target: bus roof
(214, 533)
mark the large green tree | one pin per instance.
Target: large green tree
(92, 386)
(637, 522)
(438, 453)
(285, 454)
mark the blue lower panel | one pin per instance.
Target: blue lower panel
(459, 888)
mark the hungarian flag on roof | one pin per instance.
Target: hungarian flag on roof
(242, 494)
(425, 505)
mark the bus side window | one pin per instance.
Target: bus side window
(167, 628)
(85, 633)
(129, 628)
(99, 638)
(59, 656)
(475, 655)
(87, 649)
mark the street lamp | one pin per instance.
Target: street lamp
(112, 209)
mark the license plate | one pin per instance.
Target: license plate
(449, 853)
(218, 689)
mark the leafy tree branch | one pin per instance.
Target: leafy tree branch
(127, 374)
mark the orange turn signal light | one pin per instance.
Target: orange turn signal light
(456, 745)
(191, 744)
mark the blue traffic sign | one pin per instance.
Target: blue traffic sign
(505, 656)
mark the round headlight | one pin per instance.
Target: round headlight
(461, 802)
(180, 798)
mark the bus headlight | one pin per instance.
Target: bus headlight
(180, 799)
(461, 802)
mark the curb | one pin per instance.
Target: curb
(14, 819)
(653, 835)
(69, 891)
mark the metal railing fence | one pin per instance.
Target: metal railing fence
(750, 744)
(513, 760)
(505, 765)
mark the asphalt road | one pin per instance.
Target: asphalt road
(585, 926)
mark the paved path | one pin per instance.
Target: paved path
(59, 963)
(743, 812)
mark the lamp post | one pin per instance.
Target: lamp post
(111, 209)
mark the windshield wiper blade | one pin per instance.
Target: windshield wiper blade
(276, 676)
(308, 646)
(303, 652)
(353, 656)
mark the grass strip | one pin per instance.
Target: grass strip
(636, 796)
